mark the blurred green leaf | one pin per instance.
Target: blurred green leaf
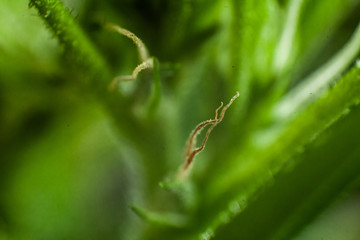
(76, 156)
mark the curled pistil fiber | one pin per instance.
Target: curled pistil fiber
(191, 149)
(146, 60)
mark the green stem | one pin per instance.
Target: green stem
(94, 68)
(60, 22)
(86, 58)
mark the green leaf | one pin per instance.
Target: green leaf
(256, 170)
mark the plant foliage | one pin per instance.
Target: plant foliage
(102, 103)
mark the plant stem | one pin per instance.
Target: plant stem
(94, 68)
(60, 22)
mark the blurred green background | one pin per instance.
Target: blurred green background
(67, 171)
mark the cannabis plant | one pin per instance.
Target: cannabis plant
(180, 119)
